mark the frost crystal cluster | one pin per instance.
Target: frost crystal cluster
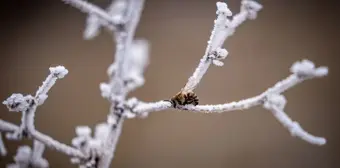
(96, 149)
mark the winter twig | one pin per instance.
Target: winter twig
(126, 74)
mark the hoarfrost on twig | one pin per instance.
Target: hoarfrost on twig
(27, 105)
(3, 151)
(89, 8)
(276, 105)
(223, 28)
(126, 74)
(94, 23)
(26, 157)
(271, 99)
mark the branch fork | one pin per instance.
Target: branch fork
(126, 74)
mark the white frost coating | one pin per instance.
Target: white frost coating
(26, 158)
(130, 105)
(42, 98)
(126, 74)
(92, 28)
(307, 68)
(138, 57)
(102, 131)
(118, 80)
(84, 143)
(251, 8)
(8, 127)
(116, 10)
(36, 157)
(111, 69)
(17, 102)
(28, 105)
(276, 100)
(3, 151)
(94, 23)
(278, 88)
(93, 147)
(129, 115)
(59, 71)
(136, 62)
(105, 90)
(218, 55)
(222, 8)
(151, 107)
(77, 141)
(83, 131)
(221, 53)
(111, 119)
(294, 127)
(23, 156)
(110, 145)
(223, 28)
(38, 149)
(28, 117)
(11, 129)
(276, 103)
(89, 8)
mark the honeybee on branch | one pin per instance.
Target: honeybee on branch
(184, 98)
(186, 95)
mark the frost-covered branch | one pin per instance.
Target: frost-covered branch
(126, 74)
(276, 103)
(105, 19)
(124, 41)
(94, 23)
(145, 108)
(223, 28)
(3, 150)
(10, 129)
(299, 75)
(137, 60)
(27, 105)
(123, 78)
(28, 158)
(7, 126)
(271, 99)
(49, 141)
(302, 70)
(95, 146)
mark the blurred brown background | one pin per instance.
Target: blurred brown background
(38, 34)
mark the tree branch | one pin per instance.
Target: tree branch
(126, 74)
(223, 28)
(49, 141)
(302, 70)
(7, 126)
(27, 105)
(3, 151)
(94, 23)
(293, 127)
(91, 9)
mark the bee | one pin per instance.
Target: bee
(184, 98)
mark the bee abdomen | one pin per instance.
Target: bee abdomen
(184, 98)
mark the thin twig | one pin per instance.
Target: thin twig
(8, 127)
(89, 8)
(27, 105)
(3, 151)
